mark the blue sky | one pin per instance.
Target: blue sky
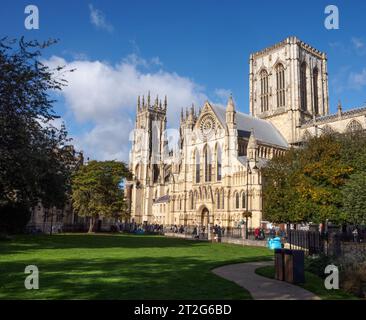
(191, 50)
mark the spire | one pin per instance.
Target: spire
(230, 105)
(148, 99)
(165, 102)
(157, 101)
(339, 108)
(138, 104)
(143, 101)
(181, 115)
(252, 146)
(252, 143)
(230, 113)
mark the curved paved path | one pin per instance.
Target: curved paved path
(262, 288)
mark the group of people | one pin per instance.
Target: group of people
(176, 229)
(260, 233)
(133, 227)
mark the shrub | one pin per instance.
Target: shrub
(353, 273)
(317, 264)
(353, 279)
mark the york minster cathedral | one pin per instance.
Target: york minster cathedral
(213, 175)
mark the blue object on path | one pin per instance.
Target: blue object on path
(274, 243)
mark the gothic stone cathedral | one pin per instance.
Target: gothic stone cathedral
(213, 175)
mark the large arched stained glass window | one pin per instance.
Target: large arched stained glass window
(218, 162)
(280, 80)
(243, 200)
(198, 169)
(218, 200)
(208, 164)
(303, 90)
(315, 90)
(264, 91)
(354, 126)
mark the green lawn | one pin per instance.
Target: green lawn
(313, 283)
(103, 266)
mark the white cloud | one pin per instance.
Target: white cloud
(357, 80)
(107, 141)
(102, 97)
(357, 43)
(98, 19)
(223, 94)
(359, 46)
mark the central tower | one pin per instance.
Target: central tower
(288, 84)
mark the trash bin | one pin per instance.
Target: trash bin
(279, 264)
(294, 266)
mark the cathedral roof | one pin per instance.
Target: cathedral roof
(264, 131)
(334, 116)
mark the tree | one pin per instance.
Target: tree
(280, 196)
(304, 185)
(353, 150)
(322, 174)
(35, 156)
(354, 198)
(97, 190)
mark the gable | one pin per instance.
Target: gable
(209, 110)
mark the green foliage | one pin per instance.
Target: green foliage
(317, 264)
(354, 198)
(280, 198)
(97, 189)
(314, 183)
(35, 156)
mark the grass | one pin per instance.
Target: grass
(106, 266)
(313, 283)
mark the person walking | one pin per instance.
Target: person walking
(272, 232)
(256, 233)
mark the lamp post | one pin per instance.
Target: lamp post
(247, 214)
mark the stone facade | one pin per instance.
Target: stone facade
(43, 219)
(304, 85)
(212, 174)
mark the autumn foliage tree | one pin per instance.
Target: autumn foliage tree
(310, 184)
(97, 190)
